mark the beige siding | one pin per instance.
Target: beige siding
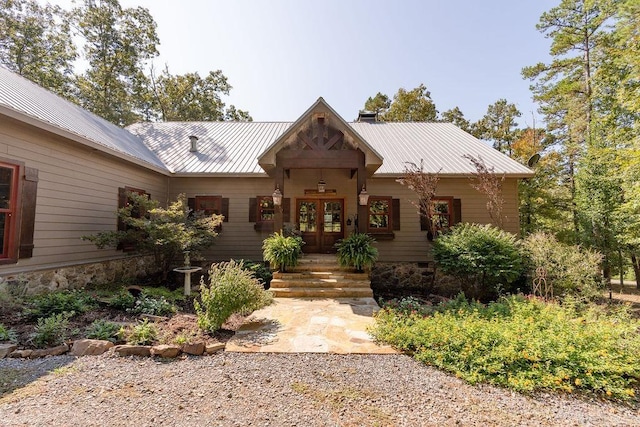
(77, 194)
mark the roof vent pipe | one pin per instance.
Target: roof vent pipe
(194, 143)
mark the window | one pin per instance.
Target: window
(124, 200)
(210, 205)
(9, 204)
(441, 211)
(262, 212)
(266, 209)
(379, 214)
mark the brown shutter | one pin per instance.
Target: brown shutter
(286, 210)
(395, 213)
(424, 221)
(225, 208)
(457, 211)
(28, 212)
(191, 203)
(253, 209)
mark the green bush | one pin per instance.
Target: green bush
(260, 271)
(7, 334)
(485, 259)
(51, 331)
(159, 292)
(157, 306)
(231, 289)
(571, 270)
(282, 251)
(524, 344)
(45, 305)
(123, 300)
(357, 251)
(144, 333)
(103, 330)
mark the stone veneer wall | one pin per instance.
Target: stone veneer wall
(75, 277)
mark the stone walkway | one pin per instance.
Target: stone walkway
(297, 325)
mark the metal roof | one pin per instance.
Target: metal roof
(223, 147)
(442, 146)
(22, 99)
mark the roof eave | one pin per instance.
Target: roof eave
(516, 175)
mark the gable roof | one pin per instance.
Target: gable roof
(26, 101)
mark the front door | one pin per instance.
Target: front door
(321, 223)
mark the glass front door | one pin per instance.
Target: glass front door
(321, 223)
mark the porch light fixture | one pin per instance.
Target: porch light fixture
(322, 186)
(277, 197)
(363, 197)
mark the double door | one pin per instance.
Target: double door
(321, 223)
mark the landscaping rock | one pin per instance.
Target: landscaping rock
(6, 349)
(90, 347)
(214, 348)
(133, 350)
(20, 353)
(154, 318)
(165, 350)
(53, 351)
(195, 349)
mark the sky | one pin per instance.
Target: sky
(281, 55)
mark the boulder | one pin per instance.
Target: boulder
(53, 351)
(89, 347)
(165, 350)
(6, 349)
(214, 348)
(20, 353)
(133, 350)
(195, 349)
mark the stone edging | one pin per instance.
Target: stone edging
(89, 347)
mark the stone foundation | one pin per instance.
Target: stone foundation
(79, 276)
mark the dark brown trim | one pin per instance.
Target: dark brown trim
(28, 214)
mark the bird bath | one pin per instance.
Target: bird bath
(187, 270)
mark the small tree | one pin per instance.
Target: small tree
(165, 233)
(489, 183)
(424, 185)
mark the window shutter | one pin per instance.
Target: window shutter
(191, 203)
(457, 211)
(424, 221)
(253, 209)
(28, 214)
(224, 207)
(286, 210)
(395, 213)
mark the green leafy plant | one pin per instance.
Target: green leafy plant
(524, 344)
(570, 269)
(166, 233)
(357, 251)
(7, 334)
(45, 305)
(122, 300)
(51, 331)
(231, 289)
(158, 292)
(261, 271)
(282, 251)
(103, 330)
(157, 306)
(483, 258)
(143, 333)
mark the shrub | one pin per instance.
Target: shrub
(157, 306)
(144, 333)
(165, 293)
(357, 251)
(45, 305)
(524, 344)
(51, 331)
(571, 270)
(103, 330)
(231, 289)
(123, 300)
(7, 334)
(282, 252)
(260, 271)
(484, 258)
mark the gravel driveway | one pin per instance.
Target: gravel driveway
(258, 389)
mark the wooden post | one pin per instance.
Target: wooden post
(363, 214)
(279, 216)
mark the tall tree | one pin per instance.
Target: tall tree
(378, 104)
(117, 45)
(190, 97)
(456, 117)
(498, 125)
(35, 42)
(413, 105)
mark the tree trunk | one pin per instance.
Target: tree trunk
(636, 269)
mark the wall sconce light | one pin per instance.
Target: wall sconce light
(277, 197)
(363, 197)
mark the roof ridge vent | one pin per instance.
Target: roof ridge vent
(194, 143)
(367, 116)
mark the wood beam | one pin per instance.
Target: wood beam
(334, 140)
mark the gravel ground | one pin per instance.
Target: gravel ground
(239, 389)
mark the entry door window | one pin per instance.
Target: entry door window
(332, 217)
(307, 217)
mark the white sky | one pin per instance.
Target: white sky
(281, 55)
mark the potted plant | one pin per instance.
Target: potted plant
(357, 251)
(282, 251)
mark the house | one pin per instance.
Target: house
(64, 172)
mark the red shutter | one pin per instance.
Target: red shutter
(28, 212)
(395, 213)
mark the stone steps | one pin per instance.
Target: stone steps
(320, 276)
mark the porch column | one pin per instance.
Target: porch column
(363, 214)
(278, 222)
